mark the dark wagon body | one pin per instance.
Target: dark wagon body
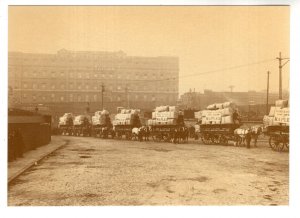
(279, 136)
(217, 133)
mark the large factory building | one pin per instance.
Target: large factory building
(72, 81)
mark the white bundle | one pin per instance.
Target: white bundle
(211, 107)
(123, 116)
(198, 114)
(229, 104)
(166, 114)
(69, 115)
(272, 110)
(173, 108)
(135, 111)
(219, 106)
(227, 120)
(281, 103)
(104, 112)
(162, 108)
(226, 111)
(98, 120)
(282, 116)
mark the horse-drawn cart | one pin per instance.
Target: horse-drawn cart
(217, 133)
(276, 126)
(166, 132)
(123, 130)
(278, 137)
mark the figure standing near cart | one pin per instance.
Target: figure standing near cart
(236, 117)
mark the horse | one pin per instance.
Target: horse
(240, 135)
(139, 133)
(255, 131)
(147, 133)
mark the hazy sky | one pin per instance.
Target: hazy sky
(205, 38)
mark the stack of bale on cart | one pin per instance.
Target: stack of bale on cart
(66, 120)
(220, 113)
(128, 117)
(82, 120)
(166, 115)
(101, 118)
(278, 115)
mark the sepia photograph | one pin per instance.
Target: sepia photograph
(148, 105)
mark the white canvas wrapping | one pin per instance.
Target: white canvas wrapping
(281, 103)
(198, 114)
(227, 120)
(219, 105)
(282, 116)
(173, 108)
(272, 110)
(166, 114)
(211, 107)
(229, 104)
(226, 111)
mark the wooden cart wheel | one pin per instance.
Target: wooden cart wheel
(215, 139)
(274, 143)
(203, 139)
(223, 140)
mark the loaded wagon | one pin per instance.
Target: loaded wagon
(167, 123)
(216, 124)
(276, 126)
(278, 137)
(101, 125)
(65, 125)
(164, 132)
(217, 133)
(124, 122)
(82, 126)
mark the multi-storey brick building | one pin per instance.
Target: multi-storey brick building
(70, 79)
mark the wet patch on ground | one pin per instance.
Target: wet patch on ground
(219, 190)
(199, 179)
(85, 156)
(158, 149)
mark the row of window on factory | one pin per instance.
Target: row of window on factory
(160, 86)
(94, 75)
(92, 97)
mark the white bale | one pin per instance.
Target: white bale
(272, 110)
(104, 112)
(98, 113)
(153, 115)
(219, 105)
(162, 108)
(173, 108)
(226, 111)
(211, 107)
(198, 114)
(229, 104)
(227, 120)
(281, 103)
(68, 115)
(282, 116)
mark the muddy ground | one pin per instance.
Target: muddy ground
(91, 171)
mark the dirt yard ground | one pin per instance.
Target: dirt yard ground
(91, 171)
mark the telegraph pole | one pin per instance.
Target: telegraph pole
(267, 110)
(280, 59)
(127, 97)
(102, 91)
